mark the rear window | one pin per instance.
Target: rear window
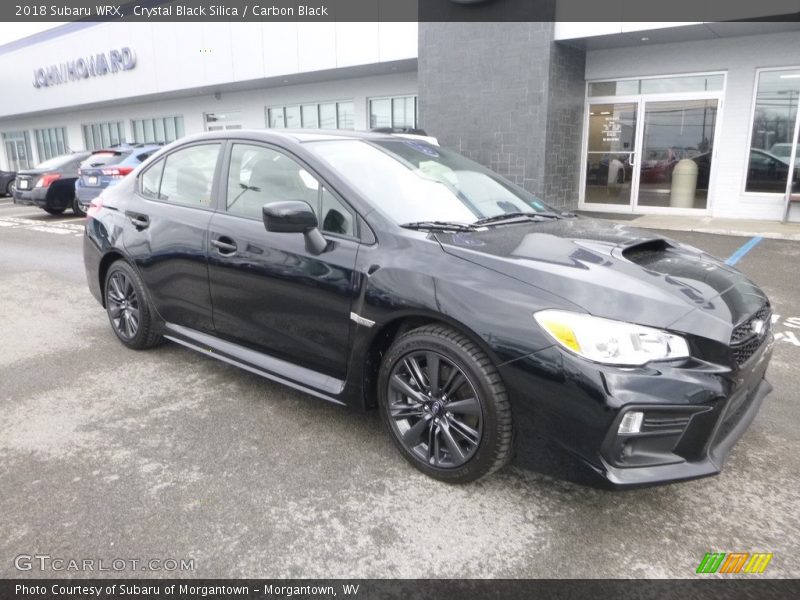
(55, 162)
(99, 159)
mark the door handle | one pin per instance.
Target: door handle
(224, 245)
(138, 220)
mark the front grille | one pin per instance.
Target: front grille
(745, 340)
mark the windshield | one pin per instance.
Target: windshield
(412, 181)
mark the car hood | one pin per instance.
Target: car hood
(616, 272)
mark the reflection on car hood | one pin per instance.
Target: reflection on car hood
(616, 272)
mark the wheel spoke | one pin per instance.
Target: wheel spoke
(412, 366)
(133, 321)
(457, 455)
(403, 388)
(465, 431)
(406, 411)
(432, 360)
(413, 435)
(454, 382)
(433, 447)
(468, 406)
(115, 292)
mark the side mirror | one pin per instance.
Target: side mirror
(295, 216)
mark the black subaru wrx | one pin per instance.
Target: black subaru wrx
(376, 271)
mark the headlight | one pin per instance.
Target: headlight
(610, 342)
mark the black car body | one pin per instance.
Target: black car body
(364, 311)
(7, 182)
(51, 184)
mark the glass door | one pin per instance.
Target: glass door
(611, 153)
(676, 150)
(16, 153)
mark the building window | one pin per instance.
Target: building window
(658, 85)
(219, 121)
(399, 111)
(51, 142)
(97, 136)
(18, 150)
(327, 115)
(157, 131)
(774, 117)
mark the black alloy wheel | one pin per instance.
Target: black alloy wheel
(127, 307)
(445, 405)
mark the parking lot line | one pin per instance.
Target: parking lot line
(743, 250)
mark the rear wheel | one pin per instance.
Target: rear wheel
(10, 188)
(127, 307)
(445, 405)
(76, 208)
(54, 211)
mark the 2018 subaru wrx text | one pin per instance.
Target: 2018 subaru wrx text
(380, 272)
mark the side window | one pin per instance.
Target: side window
(150, 180)
(188, 175)
(260, 176)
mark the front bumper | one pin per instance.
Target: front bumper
(694, 413)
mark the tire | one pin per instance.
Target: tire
(425, 427)
(128, 308)
(10, 188)
(76, 208)
(54, 211)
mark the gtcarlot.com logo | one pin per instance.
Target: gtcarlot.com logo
(45, 562)
(734, 562)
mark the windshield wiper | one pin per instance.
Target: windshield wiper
(439, 226)
(516, 216)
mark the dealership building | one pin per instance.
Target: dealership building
(674, 118)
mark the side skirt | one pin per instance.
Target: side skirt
(317, 384)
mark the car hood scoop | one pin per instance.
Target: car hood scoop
(615, 271)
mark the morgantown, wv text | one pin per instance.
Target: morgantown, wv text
(180, 590)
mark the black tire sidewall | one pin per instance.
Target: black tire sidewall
(483, 460)
(76, 208)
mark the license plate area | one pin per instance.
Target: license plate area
(23, 184)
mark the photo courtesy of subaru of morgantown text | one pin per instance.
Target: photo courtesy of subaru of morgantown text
(379, 271)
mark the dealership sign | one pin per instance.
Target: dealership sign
(95, 65)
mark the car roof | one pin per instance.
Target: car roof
(294, 135)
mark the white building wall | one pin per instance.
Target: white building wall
(252, 104)
(740, 57)
(180, 56)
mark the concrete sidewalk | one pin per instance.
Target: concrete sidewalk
(740, 227)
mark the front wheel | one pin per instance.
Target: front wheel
(127, 307)
(445, 405)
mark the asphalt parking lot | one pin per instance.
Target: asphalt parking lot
(106, 453)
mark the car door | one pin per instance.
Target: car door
(268, 292)
(167, 232)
